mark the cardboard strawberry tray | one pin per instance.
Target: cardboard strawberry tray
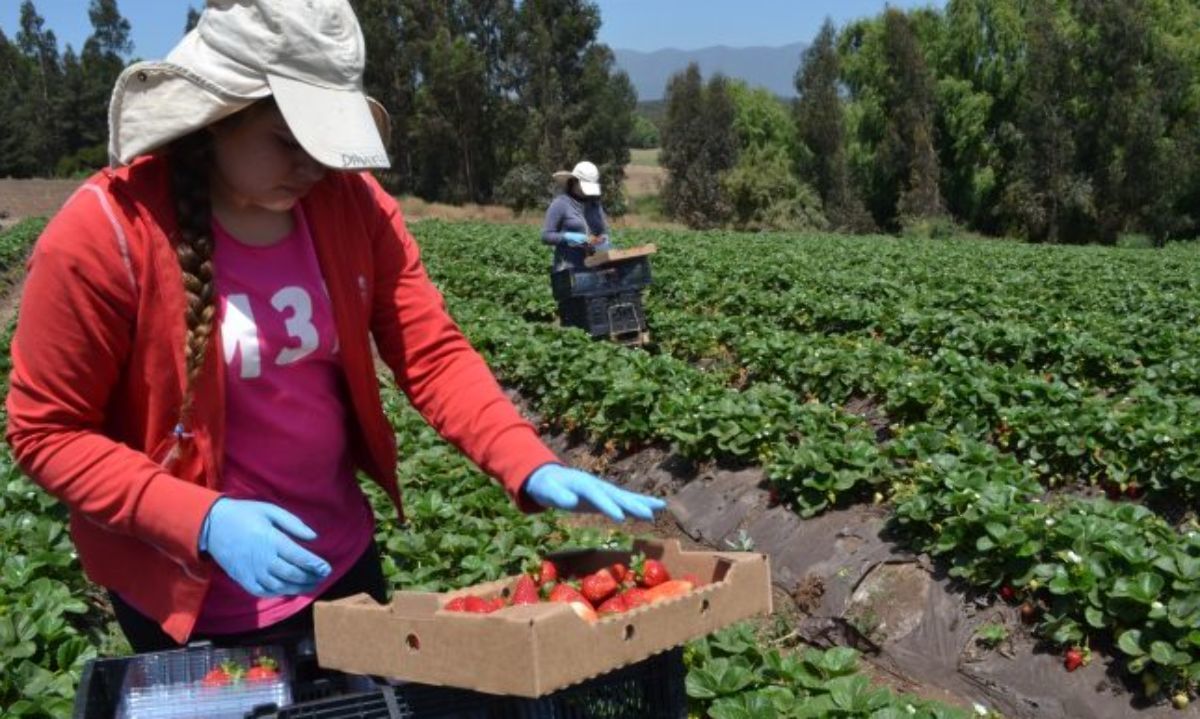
(535, 649)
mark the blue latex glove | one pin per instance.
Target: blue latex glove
(575, 238)
(250, 541)
(559, 487)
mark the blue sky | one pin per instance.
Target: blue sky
(628, 24)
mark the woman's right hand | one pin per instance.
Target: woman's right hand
(251, 542)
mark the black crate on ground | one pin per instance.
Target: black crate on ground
(605, 315)
(621, 276)
(651, 689)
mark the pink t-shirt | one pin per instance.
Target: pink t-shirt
(286, 414)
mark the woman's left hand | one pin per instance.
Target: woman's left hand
(557, 487)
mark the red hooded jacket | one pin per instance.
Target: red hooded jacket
(98, 375)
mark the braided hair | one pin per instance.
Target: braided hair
(191, 160)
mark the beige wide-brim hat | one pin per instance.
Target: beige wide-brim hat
(307, 54)
(588, 176)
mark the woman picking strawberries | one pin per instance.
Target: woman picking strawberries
(193, 373)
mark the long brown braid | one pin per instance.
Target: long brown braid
(191, 159)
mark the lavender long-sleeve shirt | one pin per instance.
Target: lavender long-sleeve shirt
(566, 214)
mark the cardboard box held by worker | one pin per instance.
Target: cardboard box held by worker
(533, 650)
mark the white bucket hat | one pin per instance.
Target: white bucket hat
(588, 176)
(308, 54)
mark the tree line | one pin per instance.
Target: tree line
(487, 97)
(1054, 120)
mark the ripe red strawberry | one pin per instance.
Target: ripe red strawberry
(478, 605)
(1007, 593)
(654, 574)
(619, 572)
(265, 669)
(599, 586)
(566, 593)
(216, 677)
(497, 603)
(458, 604)
(228, 672)
(1133, 491)
(548, 573)
(615, 605)
(1073, 660)
(634, 597)
(668, 590)
(525, 591)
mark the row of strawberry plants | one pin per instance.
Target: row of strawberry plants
(734, 675)
(1100, 571)
(1136, 442)
(935, 511)
(16, 241)
(814, 453)
(911, 295)
(1148, 336)
(51, 620)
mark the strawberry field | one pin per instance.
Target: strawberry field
(461, 530)
(1027, 416)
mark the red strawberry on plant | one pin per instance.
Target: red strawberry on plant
(548, 573)
(525, 591)
(1007, 593)
(599, 586)
(1074, 659)
(265, 669)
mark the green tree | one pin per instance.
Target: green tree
(389, 77)
(35, 126)
(909, 156)
(644, 135)
(193, 19)
(1047, 199)
(575, 104)
(699, 147)
(980, 58)
(15, 158)
(821, 133)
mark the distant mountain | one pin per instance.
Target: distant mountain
(769, 67)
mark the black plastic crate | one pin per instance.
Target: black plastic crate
(605, 315)
(651, 689)
(102, 680)
(621, 276)
(387, 702)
